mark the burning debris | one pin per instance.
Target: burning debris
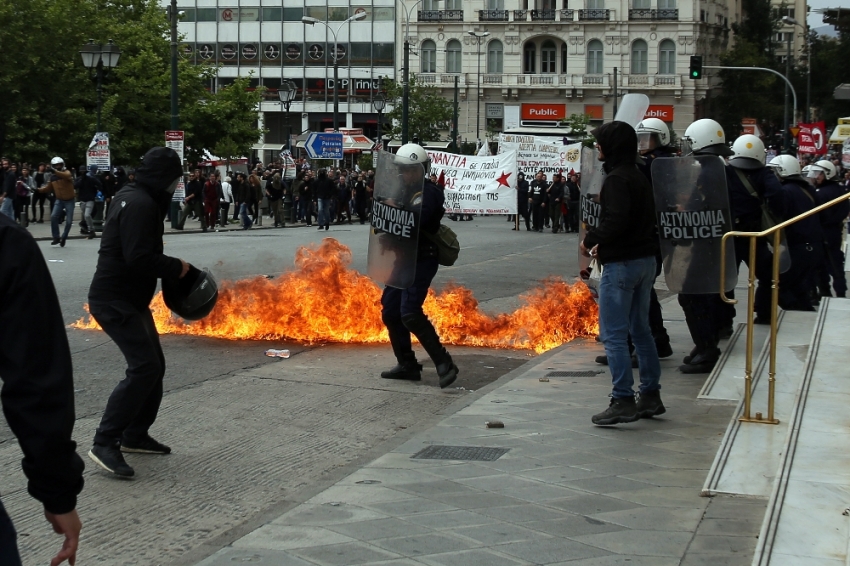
(324, 300)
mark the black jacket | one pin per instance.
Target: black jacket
(832, 217)
(130, 259)
(323, 188)
(573, 192)
(746, 209)
(35, 366)
(556, 194)
(627, 221)
(798, 197)
(87, 187)
(537, 191)
(433, 209)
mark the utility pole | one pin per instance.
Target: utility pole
(478, 35)
(175, 113)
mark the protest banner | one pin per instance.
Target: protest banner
(812, 138)
(537, 153)
(477, 185)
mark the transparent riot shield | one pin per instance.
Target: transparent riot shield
(692, 213)
(632, 109)
(394, 231)
(592, 177)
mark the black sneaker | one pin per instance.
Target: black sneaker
(110, 459)
(649, 404)
(146, 445)
(54, 242)
(409, 372)
(62, 243)
(664, 349)
(619, 411)
(447, 371)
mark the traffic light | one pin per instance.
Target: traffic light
(696, 67)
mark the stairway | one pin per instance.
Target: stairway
(801, 465)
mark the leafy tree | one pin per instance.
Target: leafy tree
(429, 111)
(829, 69)
(50, 101)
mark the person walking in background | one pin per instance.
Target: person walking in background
(38, 391)
(555, 196)
(226, 200)
(212, 199)
(274, 192)
(193, 203)
(323, 192)
(87, 186)
(257, 194)
(37, 197)
(522, 200)
(59, 183)
(573, 194)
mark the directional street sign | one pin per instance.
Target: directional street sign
(324, 145)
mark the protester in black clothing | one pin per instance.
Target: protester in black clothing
(87, 186)
(38, 390)
(130, 261)
(572, 193)
(522, 200)
(274, 191)
(38, 198)
(536, 200)
(555, 196)
(194, 200)
(361, 198)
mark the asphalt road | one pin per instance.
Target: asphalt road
(253, 434)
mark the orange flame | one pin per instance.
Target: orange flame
(323, 300)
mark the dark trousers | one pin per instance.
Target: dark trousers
(225, 212)
(703, 320)
(796, 285)
(38, 198)
(833, 266)
(572, 215)
(764, 276)
(195, 206)
(9, 555)
(361, 209)
(537, 211)
(134, 403)
(395, 303)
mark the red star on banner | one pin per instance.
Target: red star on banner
(503, 180)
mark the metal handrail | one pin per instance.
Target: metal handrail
(774, 304)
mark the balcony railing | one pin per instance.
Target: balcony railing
(544, 81)
(567, 15)
(442, 79)
(542, 15)
(660, 14)
(440, 15)
(492, 15)
(594, 14)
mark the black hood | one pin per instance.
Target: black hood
(618, 141)
(160, 166)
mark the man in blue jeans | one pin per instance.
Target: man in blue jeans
(61, 185)
(625, 244)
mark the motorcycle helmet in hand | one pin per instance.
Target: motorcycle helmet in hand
(192, 297)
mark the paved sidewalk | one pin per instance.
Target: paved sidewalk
(563, 492)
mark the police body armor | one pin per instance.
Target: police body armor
(395, 221)
(692, 214)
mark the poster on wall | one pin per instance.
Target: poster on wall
(537, 153)
(477, 185)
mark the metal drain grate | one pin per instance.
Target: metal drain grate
(586, 373)
(479, 453)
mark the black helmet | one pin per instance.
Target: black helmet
(192, 297)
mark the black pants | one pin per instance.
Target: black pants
(764, 275)
(225, 213)
(396, 303)
(702, 317)
(134, 403)
(9, 555)
(833, 266)
(537, 212)
(38, 198)
(796, 285)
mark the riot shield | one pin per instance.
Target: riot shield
(394, 230)
(592, 177)
(692, 210)
(632, 109)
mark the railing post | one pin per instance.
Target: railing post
(774, 315)
(751, 298)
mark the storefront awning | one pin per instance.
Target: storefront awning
(268, 147)
(840, 133)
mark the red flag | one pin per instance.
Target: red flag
(441, 180)
(812, 138)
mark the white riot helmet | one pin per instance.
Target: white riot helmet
(825, 167)
(411, 153)
(785, 166)
(649, 127)
(57, 163)
(749, 152)
(706, 136)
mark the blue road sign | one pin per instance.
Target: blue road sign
(324, 145)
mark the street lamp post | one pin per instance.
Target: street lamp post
(100, 58)
(479, 35)
(172, 17)
(313, 21)
(405, 93)
(287, 92)
(792, 21)
(380, 102)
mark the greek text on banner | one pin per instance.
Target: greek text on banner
(477, 185)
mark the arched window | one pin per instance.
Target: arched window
(594, 57)
(428, 56)
(495, 56)
(639, 56)
(667, 58)
(453, 56)
(563, 58)
(547, 57)
(529, 58)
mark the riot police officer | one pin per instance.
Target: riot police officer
(402, 308)
(805, 237)
(825, 177)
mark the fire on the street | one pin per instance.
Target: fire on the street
(324, 300)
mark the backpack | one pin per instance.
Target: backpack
(448, 246)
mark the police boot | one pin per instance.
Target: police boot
(662, 343)
(408, 368)
(422, 328)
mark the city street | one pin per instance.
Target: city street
(253, 435)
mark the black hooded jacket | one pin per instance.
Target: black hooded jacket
(627, 221)
(131, 258)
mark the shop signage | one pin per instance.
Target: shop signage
(544, 112)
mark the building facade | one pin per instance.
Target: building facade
(269, 42)
(533, 62)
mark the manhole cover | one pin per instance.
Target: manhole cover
(480, 453)
(586, 373)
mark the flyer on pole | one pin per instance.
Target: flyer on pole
(98, 152)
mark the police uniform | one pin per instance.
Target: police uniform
(833, 219)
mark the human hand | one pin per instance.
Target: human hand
(185, 269)
(67, 524)
(583, 249)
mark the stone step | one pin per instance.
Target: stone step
(805, 522)
(748, 459)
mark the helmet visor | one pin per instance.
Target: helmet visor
(815, 171)
(687, 146)
(645, 141)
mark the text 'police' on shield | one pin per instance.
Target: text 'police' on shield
(691, 225)
(391, 220)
